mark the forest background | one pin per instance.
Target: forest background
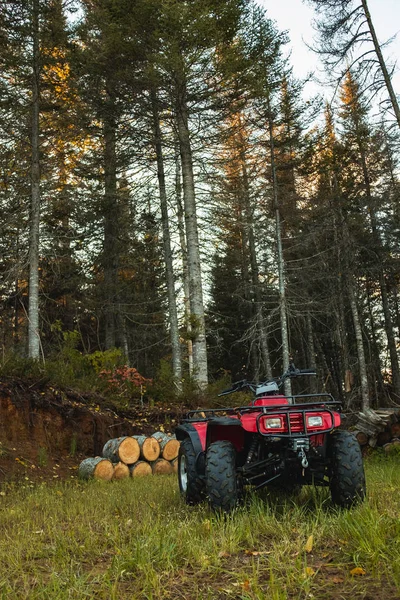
(174, 212)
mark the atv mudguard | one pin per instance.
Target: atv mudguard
(197, 435)
(229, 429)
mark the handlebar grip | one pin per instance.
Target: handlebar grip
(307, 372)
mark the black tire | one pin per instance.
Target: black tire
(347, 478)
(191, 485)
(222, 483)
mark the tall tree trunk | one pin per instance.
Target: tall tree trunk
(281, 264)
(312, 363)
(33, 307)
(111, 220)
(385, 72)
(169, 273)
(360, 345)
(249, 235)
(375, 354)
(193, 251)
(185, 273)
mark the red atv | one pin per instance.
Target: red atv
(278, 441)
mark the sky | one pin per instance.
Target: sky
(296, 17)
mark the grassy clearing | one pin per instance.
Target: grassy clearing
(136, 539)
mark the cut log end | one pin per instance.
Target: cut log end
(140, 469)
(96, 468)
(171, 449)
(121, 471)
(129, 451)
(174, 465)
(124, 449)
(161, 467)
(361, 437)
(149, 447)
(169, 445)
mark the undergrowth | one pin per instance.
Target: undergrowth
(105, 374)
(136, 539)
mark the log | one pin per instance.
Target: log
(121, 471)
(395, 430)
(123, 449)
(174, 465)
(161, 467)
(96, 468)
(169, 445)
(392, 446)
(149, 447)
(140, 468)
(361, 437)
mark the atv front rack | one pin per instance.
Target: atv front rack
(205, 414)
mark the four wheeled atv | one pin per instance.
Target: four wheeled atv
(278, 441)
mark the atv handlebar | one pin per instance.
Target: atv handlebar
(243, 383)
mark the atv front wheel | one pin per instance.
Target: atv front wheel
(222, 484)
(191, 485)
(347, 478)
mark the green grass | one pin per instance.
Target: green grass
(136, 539)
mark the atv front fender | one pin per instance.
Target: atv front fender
(197, 435)
(228, 429)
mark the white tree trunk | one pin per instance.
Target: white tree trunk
(169, 272)
(193, 251)
(185, 275)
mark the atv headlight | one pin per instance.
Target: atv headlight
(314, 421)
(273, 423)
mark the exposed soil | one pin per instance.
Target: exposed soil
(45, 432)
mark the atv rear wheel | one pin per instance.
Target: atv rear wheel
(222, 483)
(191, 485)
(347, 478)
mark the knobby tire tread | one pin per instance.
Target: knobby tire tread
(347, 481)
(195, 491)
(221, 477)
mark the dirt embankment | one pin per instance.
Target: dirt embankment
(45, 432)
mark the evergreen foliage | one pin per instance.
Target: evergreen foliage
(166, 193)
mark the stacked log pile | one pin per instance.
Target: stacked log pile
(133, 456)
(380, 428)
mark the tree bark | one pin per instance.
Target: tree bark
(33, 306)
(169, 272)
(185, 275)
(394, 360)
(149, 447)
(249, 236)
(360, 345)
(169, 445)
(281, 264)
(96, 468)
(110, 249)
(311, 351)
(192, 241)
(124, 449)
(385, 72)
